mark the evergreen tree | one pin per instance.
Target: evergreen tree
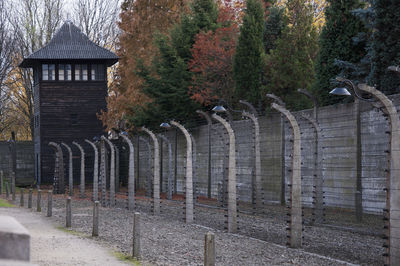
(168, 87)
(291, 65)
(385, 45)
(273, 26)
(248, 62)
(337, 43)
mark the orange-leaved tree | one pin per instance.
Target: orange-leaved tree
(212, 62)
(140, 21)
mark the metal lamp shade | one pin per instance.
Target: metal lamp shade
(165, 125)
(340, 91)
(219, 109)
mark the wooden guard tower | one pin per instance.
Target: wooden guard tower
(70, 88)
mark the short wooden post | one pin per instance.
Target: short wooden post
(209, 249)
(49, 203)
(7, 191)
(30, 199)
(21, 200)
(95, 231)
(69, 214)
(38, 202)
(136, 235)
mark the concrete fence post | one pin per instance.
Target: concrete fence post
(296, 224)
(194, 168)
(209, 249)
(131, 173)
(82, 184)
(68, 216)
(117, 168)
(95, 229)
(103, 173)
(392, 212)
(112, 171)
(30, 198)
(156, 182)
(189, 205)
(136, 250)
(21, 201)
(49, 203)
(169, 178)
(39, 201)
(70, 170)
(232, 204)
(95, 196)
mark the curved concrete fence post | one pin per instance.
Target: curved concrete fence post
(295, 238)
(318, 178)
(95, 171)
(232, 204)
(169, 178)
(103, 173)
(393, 196)
(112, 171)
(82, 184)
(70, 170)
(258, 183)
(131, 173)
(156, 182)
(209, 125)
(59, 185)
(189, 208)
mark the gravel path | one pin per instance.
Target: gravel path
(51, 246)
(167, 240)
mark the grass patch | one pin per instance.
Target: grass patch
(126, 258)
(4, 203)
(70, 231)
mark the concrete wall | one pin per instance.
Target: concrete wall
(25, 161)
(338, 165)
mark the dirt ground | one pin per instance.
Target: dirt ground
(167, 240)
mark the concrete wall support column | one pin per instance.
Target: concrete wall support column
(296, 223)
(82, 184)
(70, 170)
(131, 173)
(95, 171)
(156, 182)
(59, 185)
(232, 204)
(169, 178)
(317, 172)
(112, 171)
(189, 208)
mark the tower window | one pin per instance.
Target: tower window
(48, 71)
(97, 71)
(64, 72)
(81, 72)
